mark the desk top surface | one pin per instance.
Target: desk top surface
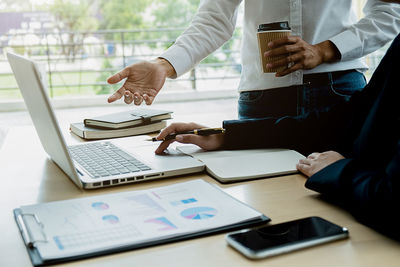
(28, 176)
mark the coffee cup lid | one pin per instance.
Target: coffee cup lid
(282, 25)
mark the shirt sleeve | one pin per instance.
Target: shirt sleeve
(211, 27)
(380, 25)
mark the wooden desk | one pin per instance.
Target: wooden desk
(28, 176)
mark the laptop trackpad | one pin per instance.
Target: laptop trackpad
(144, 151)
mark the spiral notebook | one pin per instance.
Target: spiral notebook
(86, 227)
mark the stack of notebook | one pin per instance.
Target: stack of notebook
(127, 123)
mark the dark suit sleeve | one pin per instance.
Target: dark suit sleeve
(371, 193)
(315, 132)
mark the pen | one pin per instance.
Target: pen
(202, 131)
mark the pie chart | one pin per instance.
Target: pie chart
(111, 219)
(199, 213)
(100, 206)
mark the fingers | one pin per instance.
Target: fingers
(175, 128)
(178, 127)
(168, 130)
(118, 76)
(117, 95)
(313, 155)
(148, 99)
(292, 57)
(282, 50)
(128, 97)
(137, 98)
(304, 168)
(191, 139)
(283, 41)
(284, 62)
(149, 95)
(163, 146)
(185, 139)
(305, 162)
(296, 54)
(295, 67)
(132, 90)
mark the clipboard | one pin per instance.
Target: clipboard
(36, 236)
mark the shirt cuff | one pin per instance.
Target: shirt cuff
(348, 44)
(179, 59)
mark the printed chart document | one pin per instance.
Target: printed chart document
(85, 227)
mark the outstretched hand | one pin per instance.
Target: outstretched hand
(317, 161)
(143, 81)
(211, 142)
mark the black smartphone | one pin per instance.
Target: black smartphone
(281, 238)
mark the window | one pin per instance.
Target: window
(78, 44)
(81, 43)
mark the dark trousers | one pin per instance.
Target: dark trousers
(320, 92)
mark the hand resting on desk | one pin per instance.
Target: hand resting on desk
(317, 161)
(309, 166)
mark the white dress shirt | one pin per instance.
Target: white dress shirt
(313, 20)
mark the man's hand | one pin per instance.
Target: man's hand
(143, 81)
(211, 142)
(317, 161)
(300, 54)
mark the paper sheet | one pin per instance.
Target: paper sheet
(79, 226)
(237, 165)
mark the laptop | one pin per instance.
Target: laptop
(94, 164)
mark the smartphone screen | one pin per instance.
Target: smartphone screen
(281, 238)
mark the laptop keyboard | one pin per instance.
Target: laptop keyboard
(104, 159)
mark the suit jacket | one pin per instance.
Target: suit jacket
(366, 130)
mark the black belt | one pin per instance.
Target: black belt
(324, 78)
